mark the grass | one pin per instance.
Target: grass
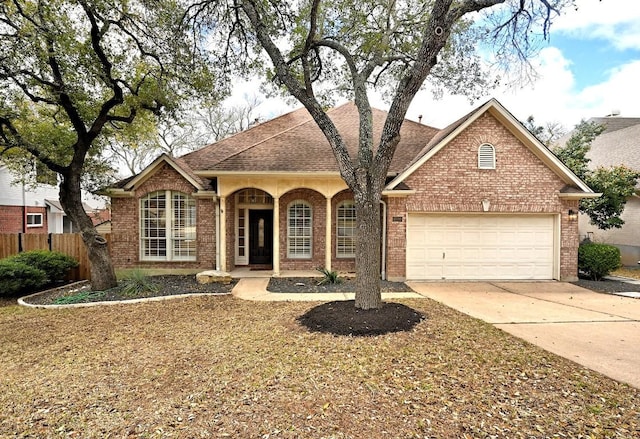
(82, 296)
(633, 273)
(220, 367)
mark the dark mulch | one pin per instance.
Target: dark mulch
(310, 285)
(167, 285)
(606, 285)
(343, 318)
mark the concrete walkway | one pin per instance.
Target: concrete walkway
(599, 331)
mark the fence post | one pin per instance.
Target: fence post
(20, 249)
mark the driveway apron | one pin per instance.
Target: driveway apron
(599, 331)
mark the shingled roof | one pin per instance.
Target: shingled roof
(619, 144)
(294, 143)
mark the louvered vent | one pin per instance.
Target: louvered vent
(486, 157)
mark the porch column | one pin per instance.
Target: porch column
(276, 236)
(328, 245)
(223, 233)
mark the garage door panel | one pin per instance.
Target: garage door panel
(480, 246)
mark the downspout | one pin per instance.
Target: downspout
(384, 240)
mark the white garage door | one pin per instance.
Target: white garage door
(480, 246)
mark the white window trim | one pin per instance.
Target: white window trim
(486, 152)
(169, 236)
(291, 255)
(40, 223)
(339, 254)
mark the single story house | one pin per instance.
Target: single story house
(479, 199)
(619, 144)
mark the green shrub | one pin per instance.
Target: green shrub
(17, 278)
(598, 260)
(330, 277)
(137, 283)
(56, 265)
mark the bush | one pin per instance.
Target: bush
(330, 277)
(598, 260)
(137, 283)
(56, 265)
(16, 277)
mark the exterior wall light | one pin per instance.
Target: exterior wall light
(573, 215)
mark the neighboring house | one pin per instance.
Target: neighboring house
(619, 144)
(34, 208)
(480, 199)
(23, 209)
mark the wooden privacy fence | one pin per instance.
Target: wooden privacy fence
(68, 243)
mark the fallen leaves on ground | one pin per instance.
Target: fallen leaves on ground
(215, 367)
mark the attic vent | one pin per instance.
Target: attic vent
(486, 156)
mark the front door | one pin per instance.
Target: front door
(261, 237)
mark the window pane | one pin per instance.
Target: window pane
(299, 231)
(153, 227)
(184, 227)
(346, 230)
(168, 228)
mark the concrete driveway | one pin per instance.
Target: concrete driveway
(599, 331)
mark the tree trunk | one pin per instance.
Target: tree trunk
(103, 275)
(368, 294)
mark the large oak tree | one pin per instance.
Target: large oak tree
(317, 48)
(73, 72)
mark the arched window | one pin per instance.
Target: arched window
(299, 230)
(486, 156)
(167, 227)
(346, 230)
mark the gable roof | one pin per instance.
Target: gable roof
(176, 163)
(294, 143)
(498, 111)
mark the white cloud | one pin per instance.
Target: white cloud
(615, 21)
(552, 98)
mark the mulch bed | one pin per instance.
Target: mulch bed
(343, 318)
(606, 285)
(167, 285)
(310, 285)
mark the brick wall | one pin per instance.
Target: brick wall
(451, 182)
(396, 238)
(319, 214)
(125, 219)
(230, 215)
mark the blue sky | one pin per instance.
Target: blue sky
(590, 67)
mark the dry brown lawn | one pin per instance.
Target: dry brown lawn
(633, 273)
(221, 367)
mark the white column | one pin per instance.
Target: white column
(223, 233)
(276, 236)
(328, 245)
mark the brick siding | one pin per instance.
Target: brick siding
(125, 220)
(450, 181)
